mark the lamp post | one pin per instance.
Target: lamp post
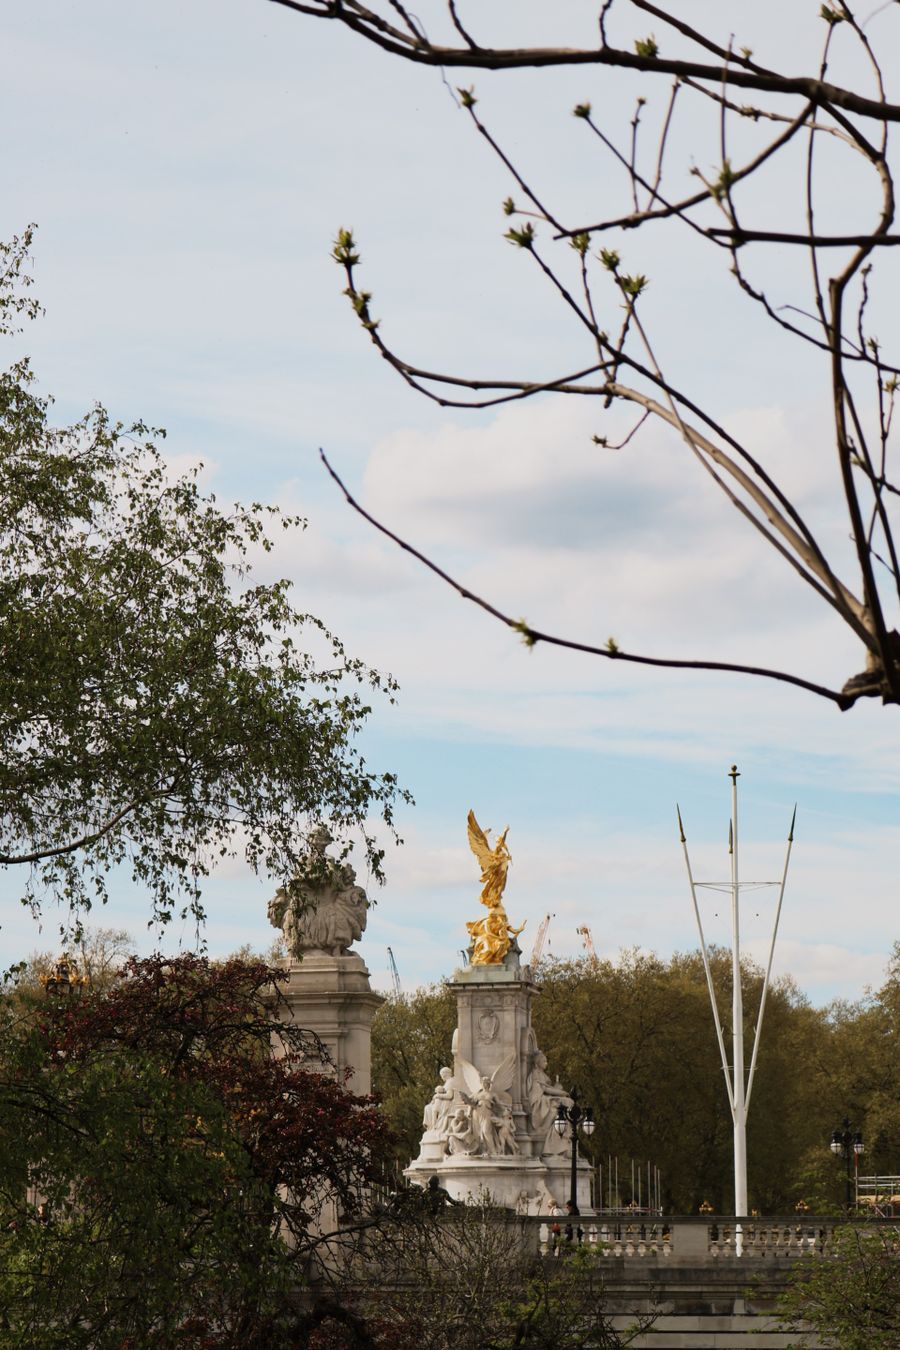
(573, 1118)
(64, 979)
(60, 980)
(847, 1144)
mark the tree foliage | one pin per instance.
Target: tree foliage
(769, 137)
(410, 1042)
(852, 1301)
(863, 1068)
(636, 1037)
(157, 712)
(162, 1171)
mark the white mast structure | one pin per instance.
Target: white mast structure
(737, 1087)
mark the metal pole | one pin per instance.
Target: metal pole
(737, 1018)
(847, 1149)
(706, 966)
(573, 1187)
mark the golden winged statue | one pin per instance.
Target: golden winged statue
(490, 936)
(493, 861)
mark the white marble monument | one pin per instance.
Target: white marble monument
(488, 1128)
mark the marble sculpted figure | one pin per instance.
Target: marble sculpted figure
(322, 909)
(436, 1116)
(472, 1114)
(544, 1098)
(460, 1135)
(490, 1106)
(491, 936)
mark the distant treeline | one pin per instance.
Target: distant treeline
(636, 1037)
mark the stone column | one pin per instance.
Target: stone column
(331, 996)
(321, 913)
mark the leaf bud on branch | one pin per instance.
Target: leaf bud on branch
(523, 238)
(344, 251)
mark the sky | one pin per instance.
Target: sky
(188, 165)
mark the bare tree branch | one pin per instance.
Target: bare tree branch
(533, 636)
(375, 29)
(851, 120)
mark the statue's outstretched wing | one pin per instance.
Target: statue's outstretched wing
(502, 1077)
(471, 1076)
(478, 842)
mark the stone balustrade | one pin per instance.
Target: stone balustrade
(690, 1240)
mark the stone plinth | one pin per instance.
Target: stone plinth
(331, 996)
(488, 1128)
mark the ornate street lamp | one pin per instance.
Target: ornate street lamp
(573, 1118)
(59, 981)
(64, 978)
(848, 1144)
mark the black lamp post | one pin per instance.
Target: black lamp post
(574, 1118)
(847, 1144)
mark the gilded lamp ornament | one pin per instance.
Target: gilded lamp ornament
(491, 935)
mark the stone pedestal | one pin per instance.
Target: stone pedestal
(489, 1125)
(331, 996)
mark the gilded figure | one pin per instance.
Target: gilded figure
(494, 862)
(491, 937)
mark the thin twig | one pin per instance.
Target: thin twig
(457, 24)
(546, 215)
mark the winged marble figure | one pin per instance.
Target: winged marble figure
(490, 1105)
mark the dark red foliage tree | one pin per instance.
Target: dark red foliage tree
(173, 1152)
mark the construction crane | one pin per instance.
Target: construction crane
(585, 934)
(540, 940)
(395, 974)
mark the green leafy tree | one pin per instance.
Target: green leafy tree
(164, 1173)
(851, 1300)
(865, 1069)
(410, 1042)
(157, 713)
(637, 1037)
(853, 1072)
